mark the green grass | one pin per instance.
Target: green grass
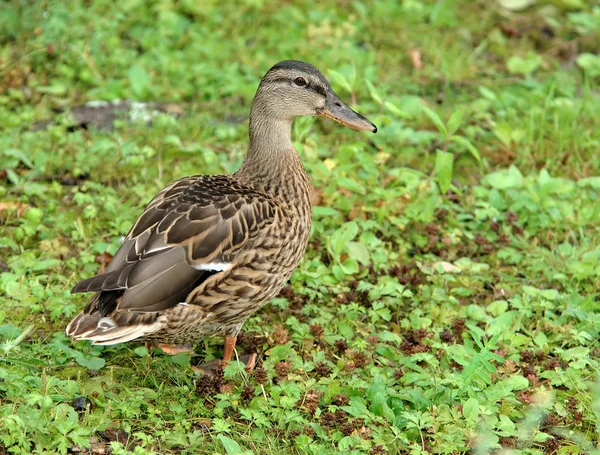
(449, 299)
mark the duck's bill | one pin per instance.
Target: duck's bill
(337, 110)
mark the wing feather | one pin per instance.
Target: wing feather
(168, 252)
(106, 282)
(119, 260)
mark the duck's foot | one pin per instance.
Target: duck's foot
(209, 368)
(172, 349)
(251, 363)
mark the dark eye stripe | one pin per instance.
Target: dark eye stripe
(320, 90)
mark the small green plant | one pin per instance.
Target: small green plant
(478, 360)
(444, 160)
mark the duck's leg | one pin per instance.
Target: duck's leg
(229, 348)
(249, 360)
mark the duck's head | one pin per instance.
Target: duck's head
(292, 88)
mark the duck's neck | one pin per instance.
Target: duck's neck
(272, 163)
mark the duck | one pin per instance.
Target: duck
(209, 251)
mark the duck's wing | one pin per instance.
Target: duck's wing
(193, 229)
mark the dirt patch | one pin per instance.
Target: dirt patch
(250, 342)
(114, 434)
(413, 342)
(408, 275)
(101, 115)
(209, 385)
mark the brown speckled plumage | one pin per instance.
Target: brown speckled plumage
(209, 251)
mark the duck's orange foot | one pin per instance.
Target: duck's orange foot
(172, 349)
(209, 368)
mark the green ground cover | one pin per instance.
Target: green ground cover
(449, 299)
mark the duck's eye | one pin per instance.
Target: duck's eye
(300, 81)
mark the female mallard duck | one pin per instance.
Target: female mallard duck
(210, 250)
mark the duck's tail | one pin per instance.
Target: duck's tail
(111, 329)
